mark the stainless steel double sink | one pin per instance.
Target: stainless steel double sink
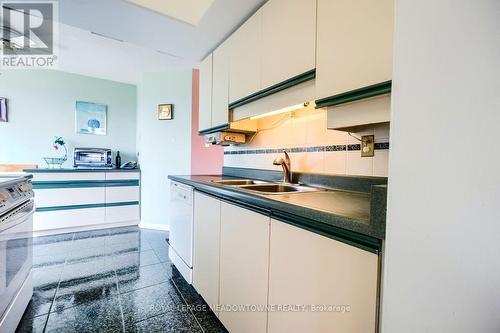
(266, 187)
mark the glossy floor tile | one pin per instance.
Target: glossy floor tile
(111, 280)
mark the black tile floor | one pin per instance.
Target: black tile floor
(111, 280)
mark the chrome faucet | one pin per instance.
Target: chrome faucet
(286, 164)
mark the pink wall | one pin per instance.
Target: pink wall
(204, 160)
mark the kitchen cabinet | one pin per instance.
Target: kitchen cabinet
(220, 87)
(205, 112)
(244, 260)
(349, 117)
(288, 39)
(207, 219)
(115, 195)
(310, 269)
(82, 199)
(354, 45)
(246, 56)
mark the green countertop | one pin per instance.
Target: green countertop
(66, 170)
(344, 215)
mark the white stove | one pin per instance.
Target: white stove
(16, 237)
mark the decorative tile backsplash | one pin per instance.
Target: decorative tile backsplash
(312, 147)
(315, 149)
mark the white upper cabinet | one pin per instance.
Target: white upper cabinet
(354, 44)
(246, 59)
(205, 112)
(288, 39)
(220, 87)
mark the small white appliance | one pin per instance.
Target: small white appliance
(92, 158)
(181, 229)
(16, 253)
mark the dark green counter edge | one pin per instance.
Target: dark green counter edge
(214, 129)
(309, 75)
(360, 241)
(87, 206)
(77, 170)
(84, 183)
(364, 242)
(355, 95)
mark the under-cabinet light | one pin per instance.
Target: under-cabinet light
(283, 110)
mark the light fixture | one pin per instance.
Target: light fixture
(283, 110)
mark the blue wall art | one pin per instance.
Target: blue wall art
(91, 118)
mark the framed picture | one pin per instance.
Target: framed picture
(165, 111)
(91, 118)
(3, 109)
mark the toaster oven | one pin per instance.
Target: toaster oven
(92, 158)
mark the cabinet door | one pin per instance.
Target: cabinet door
(205, 115)
(206, 247)
(354, 44)
(289, 39)
(245, 65)
(309, 269)
(125, 213)
(220, 95)
(243, 268)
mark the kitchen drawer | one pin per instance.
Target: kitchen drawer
(122, 213)
(123, 175)
(68, 176)
(69, 196)
(59, 219)
(122, 194)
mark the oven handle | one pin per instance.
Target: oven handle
(19, 214)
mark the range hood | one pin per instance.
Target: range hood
(225, 138)
(234, 132)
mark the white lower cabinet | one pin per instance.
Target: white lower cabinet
(271, 277)
(122, 194)
(312, 270)
(85, 199)
(206, 247)
(126, 213)
(244, 262)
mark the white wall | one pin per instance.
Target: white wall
(164, 146)
(442, 264)
(41, 105)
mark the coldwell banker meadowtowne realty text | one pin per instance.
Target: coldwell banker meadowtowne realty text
(250, 166)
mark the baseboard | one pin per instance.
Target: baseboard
(163, 227)
(83, 228)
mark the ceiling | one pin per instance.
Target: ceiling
(120, 40)
(189, 11)
(82, 52)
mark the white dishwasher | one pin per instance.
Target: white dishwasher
(181, 229)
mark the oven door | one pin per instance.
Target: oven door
(16, 255)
